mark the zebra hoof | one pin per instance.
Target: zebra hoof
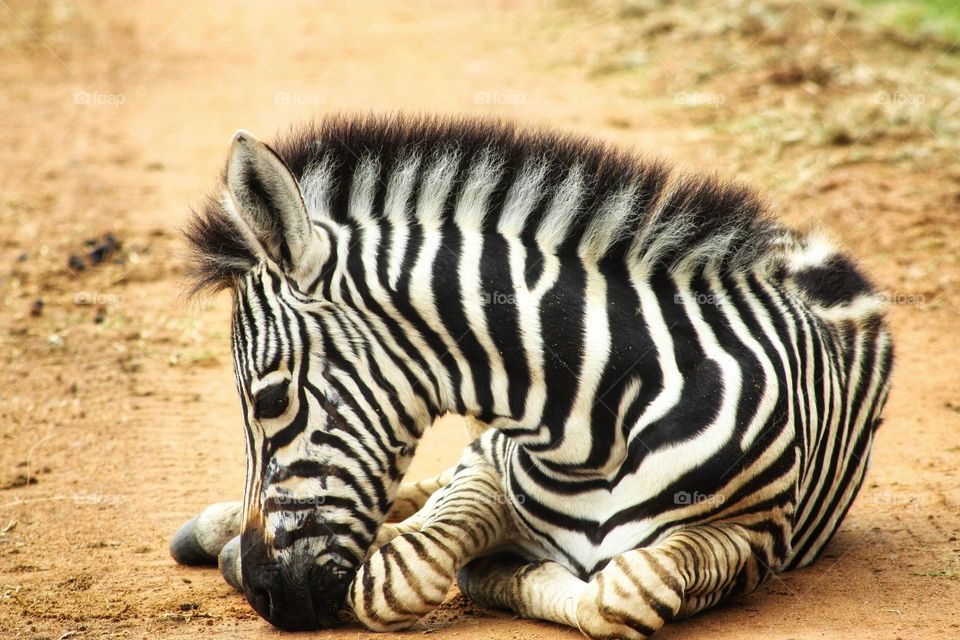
(185, 547)
(201, 538)
(229, 562)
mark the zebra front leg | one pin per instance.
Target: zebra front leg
(200, 539)
(636, 593)
(410, 575)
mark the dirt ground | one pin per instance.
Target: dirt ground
(117, 412)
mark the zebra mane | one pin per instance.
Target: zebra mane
(567, 193)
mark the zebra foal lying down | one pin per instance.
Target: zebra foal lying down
(674, 395)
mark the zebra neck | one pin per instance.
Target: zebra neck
(484, 324)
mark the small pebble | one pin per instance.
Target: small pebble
(103, 249)
(36, 308)
(76, 263)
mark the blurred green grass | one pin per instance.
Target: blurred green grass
(938, 17)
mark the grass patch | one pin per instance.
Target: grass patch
(939, 17)
(944, 573)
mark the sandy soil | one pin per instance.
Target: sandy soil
(117, 412)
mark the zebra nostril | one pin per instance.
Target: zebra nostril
(261, 601)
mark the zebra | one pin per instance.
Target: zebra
(674, 396)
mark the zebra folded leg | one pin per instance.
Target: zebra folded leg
(200, 539)
(411, 496)
(635, 593)
(410, 575)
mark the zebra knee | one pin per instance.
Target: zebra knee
(629, 599)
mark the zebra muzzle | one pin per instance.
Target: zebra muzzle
(293, 595)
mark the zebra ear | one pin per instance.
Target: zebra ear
(267, 199)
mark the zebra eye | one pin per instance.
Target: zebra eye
(271, 402)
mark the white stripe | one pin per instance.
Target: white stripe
(437, 182)
(611, 221)
(522, 197)
(471, 209)
(397, 213)
(315, 186)
(363, 188)
(562, 211)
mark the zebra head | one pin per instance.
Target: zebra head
(323, 460)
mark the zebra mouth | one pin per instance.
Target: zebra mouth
(297, 605)
(296, 595)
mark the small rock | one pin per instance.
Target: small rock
(103, 249)
(36, 308)
(76, 263)
(20, 480)
(55, 340)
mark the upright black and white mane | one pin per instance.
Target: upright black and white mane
(596, 200)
